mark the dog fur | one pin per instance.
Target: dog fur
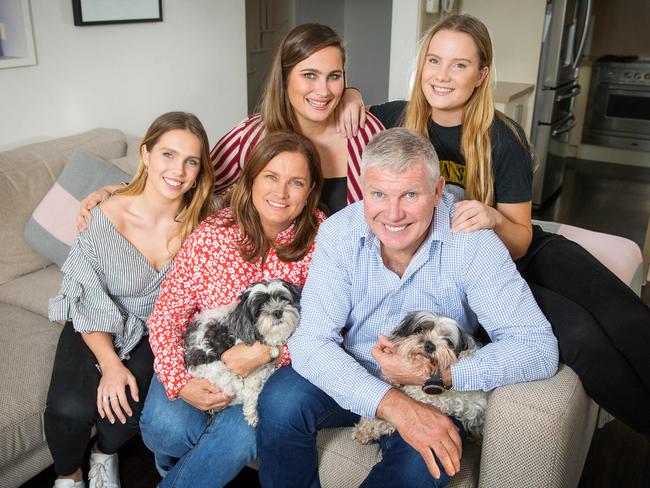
(267, 312)
(442, 341)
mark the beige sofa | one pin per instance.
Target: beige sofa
(536, 434)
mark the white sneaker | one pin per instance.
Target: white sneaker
(104, 471)
(68, 483)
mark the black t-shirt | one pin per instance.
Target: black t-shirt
(511, 163)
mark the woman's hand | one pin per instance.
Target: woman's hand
(243, 360)
(350, 113)
(111, 392)
(90, 202)
(473, 215)
(397, 370)
(202, 394)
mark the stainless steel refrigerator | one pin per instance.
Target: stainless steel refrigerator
(566, 30)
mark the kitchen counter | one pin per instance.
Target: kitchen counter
(506, 91)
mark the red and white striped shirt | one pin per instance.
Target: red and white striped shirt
(209, 272)
(229, 154)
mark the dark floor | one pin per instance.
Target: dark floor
(602, 197)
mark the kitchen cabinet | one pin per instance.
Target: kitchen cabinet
(513, 99)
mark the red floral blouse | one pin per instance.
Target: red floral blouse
(209, 272)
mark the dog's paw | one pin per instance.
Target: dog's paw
(362, 436)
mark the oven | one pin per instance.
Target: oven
(618, 107)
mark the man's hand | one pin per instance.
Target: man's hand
(426, 429)
(202, 394)
(396, 369)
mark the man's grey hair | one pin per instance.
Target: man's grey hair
(399, 149)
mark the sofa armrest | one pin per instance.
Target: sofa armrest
(539, 432)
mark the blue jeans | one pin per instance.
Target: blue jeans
(292, 411)
(192, 448)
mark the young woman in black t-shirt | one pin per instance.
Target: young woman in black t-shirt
(603, 328)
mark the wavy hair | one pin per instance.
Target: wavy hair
(197, 202)
(254, 243)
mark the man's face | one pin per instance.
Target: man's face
(399, 208)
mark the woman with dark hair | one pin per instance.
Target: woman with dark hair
(602, 327)
(266, 230)
(111, 278)
(302, 93)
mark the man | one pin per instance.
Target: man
(374, 262)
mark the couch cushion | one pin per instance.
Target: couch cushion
(26, 175)
(28, 345)
(51, 229)
(33, 290)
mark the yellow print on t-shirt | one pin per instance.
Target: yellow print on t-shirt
(452, 172)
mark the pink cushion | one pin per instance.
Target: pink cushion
(622, 256)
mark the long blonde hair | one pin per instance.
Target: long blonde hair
(197, 201)
(479, 112)
(300, 43)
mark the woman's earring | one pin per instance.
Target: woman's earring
(146, 168)
(193, 184)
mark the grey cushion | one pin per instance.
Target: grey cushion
(26, 175)
(51, 231)
(33, 290)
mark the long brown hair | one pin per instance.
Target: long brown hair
(300, 43)
(479, 112)
(254, 243)
(197, 200)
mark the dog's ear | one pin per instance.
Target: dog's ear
(412, 323)
(467, 344)
(241, 322)
(295, 290)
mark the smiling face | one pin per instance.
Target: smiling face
(450, 74)
(315, 86)
(173, 164)
(280, 191)
(399, 208)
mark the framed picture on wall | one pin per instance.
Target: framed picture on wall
(96, 12)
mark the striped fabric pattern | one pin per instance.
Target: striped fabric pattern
(108, 286)
(230, 153)
(51, 229)
(350, 298)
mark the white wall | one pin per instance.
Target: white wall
(367, 38)
(403, 47)
(516, 30)
(124, 75)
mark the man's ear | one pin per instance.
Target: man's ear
(440, 186)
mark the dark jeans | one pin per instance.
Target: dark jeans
(292, 410)
(602, 327)
(71, 410)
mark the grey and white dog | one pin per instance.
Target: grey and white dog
(267, 312)
(440, 340)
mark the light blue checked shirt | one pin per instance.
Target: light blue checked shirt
(350, 298)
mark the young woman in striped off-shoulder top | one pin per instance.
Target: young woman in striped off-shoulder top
(103, 363)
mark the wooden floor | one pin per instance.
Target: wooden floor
(601, 197)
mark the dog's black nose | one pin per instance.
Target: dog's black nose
(278, 314)
(429, 347)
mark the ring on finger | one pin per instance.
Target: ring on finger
(105, 398)
(114, 398)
